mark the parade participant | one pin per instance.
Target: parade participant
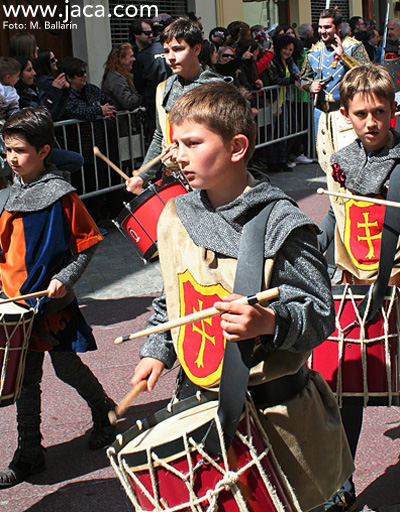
(199, 238)
(47, 240)
(324, 67)
(182, 41)
(363, 168)
(393, 39)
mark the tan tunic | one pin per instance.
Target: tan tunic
(306, 432)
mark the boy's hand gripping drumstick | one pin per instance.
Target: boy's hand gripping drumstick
(200, 315)
(119, 410)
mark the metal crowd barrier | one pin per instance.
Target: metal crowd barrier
(121, 139)
(284, 113)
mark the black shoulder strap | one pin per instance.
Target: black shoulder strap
(238, 355)
(389, 243)
(4, 195)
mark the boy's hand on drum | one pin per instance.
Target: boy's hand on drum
(150, 369)
(134, 185)
(241, 322)
(56, 290)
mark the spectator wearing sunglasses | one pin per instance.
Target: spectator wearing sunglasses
(53, 87)
(149, 68)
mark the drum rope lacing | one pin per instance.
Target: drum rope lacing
(229, 480)
(26, 324)
(361, 322)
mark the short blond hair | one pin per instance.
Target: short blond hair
(221, 107)
(366, 79)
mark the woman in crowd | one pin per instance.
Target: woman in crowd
(23, 44)
(117, 81)
(31, 96)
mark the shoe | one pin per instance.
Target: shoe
(341, 501)
(103, 434)
(291, 164)
(283, 167)
(303, 159)
(20, 468)
(103, 231)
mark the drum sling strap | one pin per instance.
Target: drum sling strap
(389, 242)
(238, 355)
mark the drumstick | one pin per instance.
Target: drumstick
(367, 199)
(154, 160)
(98, 153)
(200, 315)
(23, 297)
(350, 127)
(119, 410)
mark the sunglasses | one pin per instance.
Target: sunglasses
(81, 73)
(53, 59)
(147, 32)
(228, 55)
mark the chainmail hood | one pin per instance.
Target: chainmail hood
(368, 175)
(40, 193)
(219, 229)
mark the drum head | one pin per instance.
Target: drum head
(164, 430)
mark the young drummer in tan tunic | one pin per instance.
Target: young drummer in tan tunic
(199, 237)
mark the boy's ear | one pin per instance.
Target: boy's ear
(240, 145)
(394, 107)
(44, 151)
(343, 111)
(197, 49)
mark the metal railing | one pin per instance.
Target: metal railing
(120, 139)
(284, 113)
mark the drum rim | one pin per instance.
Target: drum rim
(27, 313)
(174, 447)
(144, 196)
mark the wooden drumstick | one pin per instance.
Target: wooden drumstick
(98, 153)
(119, 410)
(367, 199)
(33, 295)
(153, 161)
(200, 315)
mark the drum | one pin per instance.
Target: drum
(360, 359)
(15, 329)
(138, 220)
(162, 464)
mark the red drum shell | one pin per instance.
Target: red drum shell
(325, 358)
(138, 220)
(174, 491)
(15, 327)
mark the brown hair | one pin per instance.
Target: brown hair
(366, 79)
(221, 107)
(182, 29)
(113, 63)
(9, 66)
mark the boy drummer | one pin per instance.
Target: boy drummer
(362, 168)
(199, 237)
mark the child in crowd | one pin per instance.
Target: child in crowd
(182, 42)
(9, 75)
(47, 240)
(199, 240)
(363, 168)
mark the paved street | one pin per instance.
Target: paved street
(116, 293)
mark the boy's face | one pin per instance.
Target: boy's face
(370, 117)
(204, 158)
(24, 159)
(11, 79)
(182, 58)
